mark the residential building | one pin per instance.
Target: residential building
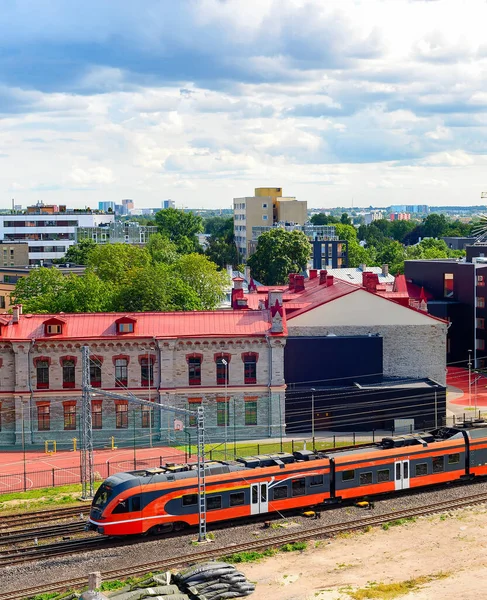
(400, 216)
(168, 204)
(266, 208)
(128, 205)
(229, 361)
(117, 232)
(373, 215)
(14, 254)
(48, 234)
(106, 206)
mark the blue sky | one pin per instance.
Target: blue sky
(372, 101)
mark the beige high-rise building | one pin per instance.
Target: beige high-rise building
(266, 208)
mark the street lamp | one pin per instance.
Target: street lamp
(313, 415)
(469, 378)
(225, 364)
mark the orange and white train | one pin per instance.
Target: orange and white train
(165, 499)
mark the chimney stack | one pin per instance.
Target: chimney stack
(323, 275)
(277, 311)
(313, 273)
(385, 270)
(299, 283)
(292, 277)
(329, 280)
(15, 314)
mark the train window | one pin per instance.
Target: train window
(406, 469)
(438, 464)
(421, 469)
(190, 500)
(263, 493)
(255, 494)
(348, 475)
(383, 475)
(453, 459)
(135, 503)
(122, 507)
(316, 480)
(237, 499)
(299, 487)
(280, 492)
(365, 478)
(213, 503)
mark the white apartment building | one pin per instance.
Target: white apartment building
(48, 235)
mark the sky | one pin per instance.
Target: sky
(363, 102)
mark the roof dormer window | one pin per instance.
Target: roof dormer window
(54, 326)
(53, 329)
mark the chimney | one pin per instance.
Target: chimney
(385, 270)
(20, 309)
(299, 283)
(15, 314)
(292, 277)
(313, 273)
(277, 314)
(362, 267)
(330, 280)
(237, 283)
(273, 296)
(323, 274)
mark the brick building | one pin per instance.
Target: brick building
(170, 358)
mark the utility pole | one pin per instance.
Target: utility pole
(87, 474)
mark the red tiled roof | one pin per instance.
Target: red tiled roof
(162, 325)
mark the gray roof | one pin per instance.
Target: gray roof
(354, 275)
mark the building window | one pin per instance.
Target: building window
(480, 344)
(222, 413)
(125, 328)
(480, 323)
(42, 374)
(68, 365)
(222, 369)
(147, 416)
(480, 281)
(480, 302)
(44, 417)
(122, 415)
(146, 371)
(194, 370)
(250, 367)
(448, 285)
(70, 416)
(264, 205)
(96, 415)
(264, 217)
(121, 372)
(193, 405)
(95, 372)
(2, 301)
(53, 329)
(250, 411)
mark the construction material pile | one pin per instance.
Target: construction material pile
(214, 581)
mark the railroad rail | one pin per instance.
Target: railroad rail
(210, 553)
(33, 518)
(47, 531)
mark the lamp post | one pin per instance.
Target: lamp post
(225, 364)
(150, 374)
(469, 378)
(313, 416)
(23, 442)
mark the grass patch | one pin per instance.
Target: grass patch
(294, 547)
(65, 495)
(397, 522)
(390, 591)
(253, 556)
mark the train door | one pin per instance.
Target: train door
(401, 474)
(259, 498)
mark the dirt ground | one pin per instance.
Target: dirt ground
(451, 549)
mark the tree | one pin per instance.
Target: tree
(181, 228)
(114, 262)
(86, 294)
(79, 253)
(278, 253)
(345, 219)
(40, 291)
(434, 225)
(221, 248)
(220, 227)
(202, 275)
(161, 249)
(322, 219)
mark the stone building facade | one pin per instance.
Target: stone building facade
(231, 362)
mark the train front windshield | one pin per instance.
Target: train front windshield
(102, 496)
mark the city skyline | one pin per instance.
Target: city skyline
(363, 102)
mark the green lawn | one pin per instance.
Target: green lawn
(43, 498)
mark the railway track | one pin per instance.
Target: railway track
(33, 518)
(47, 531)
(257, 545)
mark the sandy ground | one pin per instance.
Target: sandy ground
(454, 544)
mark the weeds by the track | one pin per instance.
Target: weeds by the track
(253, 556)
(38, 499)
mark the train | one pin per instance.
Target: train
(164, 499)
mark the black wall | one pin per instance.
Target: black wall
(332, 360)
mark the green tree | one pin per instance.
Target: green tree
(322, 219)
(86, 294)
(392, 253)
(78, 253)
(345, 219)
(278, 253)
(434, 225)
(220, 227)
(181, 228)
(203, 276)
(161, 249)
(40, 291)
(222, 251)
(114, 262)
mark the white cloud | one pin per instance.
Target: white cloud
(92, 175)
